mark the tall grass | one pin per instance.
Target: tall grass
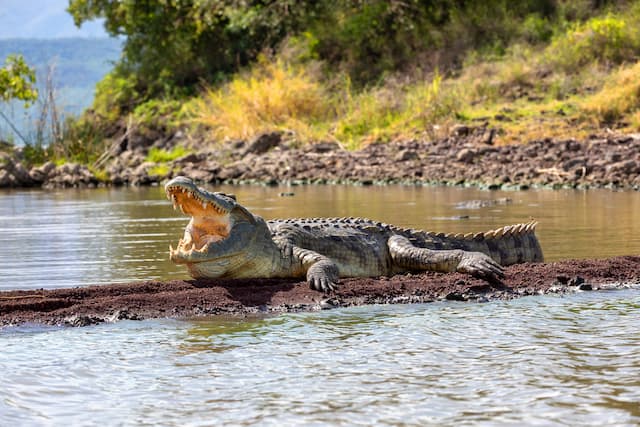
(272, 95)
(618, 100)
(275, 95)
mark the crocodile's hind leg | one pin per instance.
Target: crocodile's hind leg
(406, 256)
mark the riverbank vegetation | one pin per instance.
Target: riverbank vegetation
(355, 72)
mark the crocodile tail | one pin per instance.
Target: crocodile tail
(506, 245)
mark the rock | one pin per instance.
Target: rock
(466, 155)
(573, 163)
(41, 174)
(487, 137)
(460, 130)
(79, 320)
(6, 179)
(456, 296)
(264, 143)
(625, 166)
(323, 147)
(70, 175)
(406, 155)
(19, 173)
(234, 170)
(191, 158)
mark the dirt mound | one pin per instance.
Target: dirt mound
(178, 298)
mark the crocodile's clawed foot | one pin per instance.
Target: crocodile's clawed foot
(480, 265)
(323, 276)
(322, 284)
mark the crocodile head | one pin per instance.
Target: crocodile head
(218, 238)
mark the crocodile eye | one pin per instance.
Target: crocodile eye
(233, 196)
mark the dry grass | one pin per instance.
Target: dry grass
(273, 95)
(618, 100)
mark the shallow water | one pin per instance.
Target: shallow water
(548, 360)
(80, 237)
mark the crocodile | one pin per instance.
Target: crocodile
(223, 239)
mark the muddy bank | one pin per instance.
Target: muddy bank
(177, 298)
(468, 156)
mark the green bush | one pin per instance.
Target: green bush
(158, 155)
(116, 95)
(610, 39)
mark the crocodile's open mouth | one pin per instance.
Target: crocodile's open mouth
(210, 212)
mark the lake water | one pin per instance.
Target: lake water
(80, 237)
(548, 360)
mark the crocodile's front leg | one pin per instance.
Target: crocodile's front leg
(407, 256)
(322, 273)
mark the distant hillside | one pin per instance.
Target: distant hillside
(78, 64)
(42, 19)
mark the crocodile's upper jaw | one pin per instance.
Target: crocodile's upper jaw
(211, 220)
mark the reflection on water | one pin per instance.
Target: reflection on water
(549, 360)
(78, 237)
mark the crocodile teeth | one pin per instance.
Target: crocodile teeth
(204, 205)
(182, 209)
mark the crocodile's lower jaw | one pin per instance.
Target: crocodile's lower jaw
(207, 269)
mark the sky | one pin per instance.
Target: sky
(42, 19)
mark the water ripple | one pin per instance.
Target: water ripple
(544, 360)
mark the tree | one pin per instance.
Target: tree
(17, 80)
(173, 45)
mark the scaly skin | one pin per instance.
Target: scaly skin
(224, 239)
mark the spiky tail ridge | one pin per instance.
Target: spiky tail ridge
(507, 245)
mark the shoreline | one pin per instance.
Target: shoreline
(83, 306)
(467, 158)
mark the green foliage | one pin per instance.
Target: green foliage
(116, 95)
(17, 80)
(82, 141)
(159, 170)
(537, 29)
(36, 154)
(173, 46)
(158, 155)
(159, 113)
(610, 39)
(100, 174)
